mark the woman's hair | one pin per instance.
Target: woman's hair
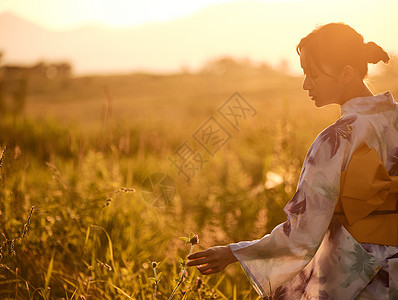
(337, 45)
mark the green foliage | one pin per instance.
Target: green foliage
(91, 233)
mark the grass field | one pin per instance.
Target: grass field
(71, 224)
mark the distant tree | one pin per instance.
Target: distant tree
(229, 65)
(226, 65)
(2, 104)
(19, 97)
(284, 66)
(2, 98)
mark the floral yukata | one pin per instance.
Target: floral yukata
(311, 255)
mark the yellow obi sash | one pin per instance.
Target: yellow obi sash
(368, 203)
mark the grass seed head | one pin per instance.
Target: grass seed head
(2, 156)
(199, 282)
(27, 224)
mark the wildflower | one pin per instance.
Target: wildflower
(194, 240)
(199, 282)
(183, 273)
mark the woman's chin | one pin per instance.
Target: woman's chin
(319, 103)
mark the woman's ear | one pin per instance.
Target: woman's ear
(348, 74)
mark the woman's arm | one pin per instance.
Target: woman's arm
(279, 256)
(212, 260)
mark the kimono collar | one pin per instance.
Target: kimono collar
(368, 105)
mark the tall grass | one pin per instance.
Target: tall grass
(91, 233)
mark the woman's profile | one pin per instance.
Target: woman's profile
(340, 239)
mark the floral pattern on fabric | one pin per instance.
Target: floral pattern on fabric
(339, 130)
(332, 135)
(295, 207)
(311, 255)
(362, 262)
(393, 166)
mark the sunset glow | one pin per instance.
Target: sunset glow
(62, 15)
(192, 32)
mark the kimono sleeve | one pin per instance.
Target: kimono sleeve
(277, 257)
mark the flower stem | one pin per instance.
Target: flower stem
(156, 284)
(181, 277)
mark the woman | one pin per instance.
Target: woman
(341, 235)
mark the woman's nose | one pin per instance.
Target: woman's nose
(307, 83)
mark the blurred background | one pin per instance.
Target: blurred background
(98, 96)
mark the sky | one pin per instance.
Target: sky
(235, 30)
(71, 14)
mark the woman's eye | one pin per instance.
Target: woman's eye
(310, 76)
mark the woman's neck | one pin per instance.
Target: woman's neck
(360, 90)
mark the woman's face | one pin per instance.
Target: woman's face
(322, 88)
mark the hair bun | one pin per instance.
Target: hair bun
(374, 53)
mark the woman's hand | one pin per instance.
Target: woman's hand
(212, 260)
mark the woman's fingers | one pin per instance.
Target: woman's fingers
(210, 271)
(211, 260)
(200, 261)
(206, 269)
(199, 254)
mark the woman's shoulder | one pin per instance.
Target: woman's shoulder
(334, 136)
